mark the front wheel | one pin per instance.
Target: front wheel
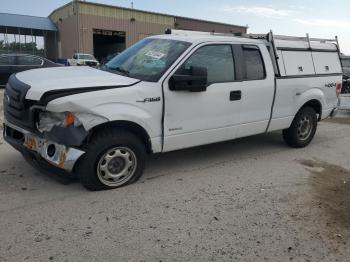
(113, 159)
(303, 128)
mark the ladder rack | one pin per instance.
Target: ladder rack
(290, 38)
(268, 38)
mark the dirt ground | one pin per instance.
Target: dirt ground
(253, 199)
(247, 200)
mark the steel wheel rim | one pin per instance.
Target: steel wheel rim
(304, 128)
(116, 166)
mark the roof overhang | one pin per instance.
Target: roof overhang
(25, 23)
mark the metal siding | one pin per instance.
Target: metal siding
(118, 13)
(62, 13)
(134, 30)
(198, 25)
(68, 36)
(96, 16)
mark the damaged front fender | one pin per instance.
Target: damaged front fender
(69, 136)
(74, 134)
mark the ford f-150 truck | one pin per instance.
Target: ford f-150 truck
(169, 92)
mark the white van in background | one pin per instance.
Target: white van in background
(345, 94)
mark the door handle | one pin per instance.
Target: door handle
(235, 95)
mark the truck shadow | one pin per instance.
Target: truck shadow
(330, 186)
(171, 163)
(191, 159)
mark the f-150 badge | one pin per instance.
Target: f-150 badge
(149, 100)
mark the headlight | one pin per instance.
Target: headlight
(47, 120)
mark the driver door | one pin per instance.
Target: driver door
(197, 118)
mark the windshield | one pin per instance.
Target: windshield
(346, 62)
(148, 59)
(87, 57)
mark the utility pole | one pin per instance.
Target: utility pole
(75, 4)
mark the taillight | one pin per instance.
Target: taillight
(339, 88)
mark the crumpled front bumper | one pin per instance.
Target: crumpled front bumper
(55, 154)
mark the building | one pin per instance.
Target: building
(103, 30)
(27, 34)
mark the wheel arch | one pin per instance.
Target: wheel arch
(316, 105)
(129, 126)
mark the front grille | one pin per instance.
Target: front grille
(16, 107)
(13, 102)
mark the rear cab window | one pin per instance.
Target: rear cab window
(253, 63)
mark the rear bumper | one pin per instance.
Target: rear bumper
(331, 112)
(334, 112)
(42, 150)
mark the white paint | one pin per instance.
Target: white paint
(48, 79)
(192, 119)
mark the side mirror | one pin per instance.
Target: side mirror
(195, 81)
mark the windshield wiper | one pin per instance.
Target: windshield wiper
(120, 69)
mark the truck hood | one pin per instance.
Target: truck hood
(68, 78)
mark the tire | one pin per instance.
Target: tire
(113, 159)
(303, 128)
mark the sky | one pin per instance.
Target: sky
(318, 18)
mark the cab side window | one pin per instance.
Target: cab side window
(217, 59)
(254, 64)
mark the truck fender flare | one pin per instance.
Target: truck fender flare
(314, 98)
(126, 125)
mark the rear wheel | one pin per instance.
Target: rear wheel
(113, 159)
(303, 128)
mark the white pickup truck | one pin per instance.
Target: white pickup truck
(170, 92)
(80, 59)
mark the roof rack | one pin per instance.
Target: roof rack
(290, 38)
(268, 37)
(189, 32)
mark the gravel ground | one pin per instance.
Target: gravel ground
(253, 199)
